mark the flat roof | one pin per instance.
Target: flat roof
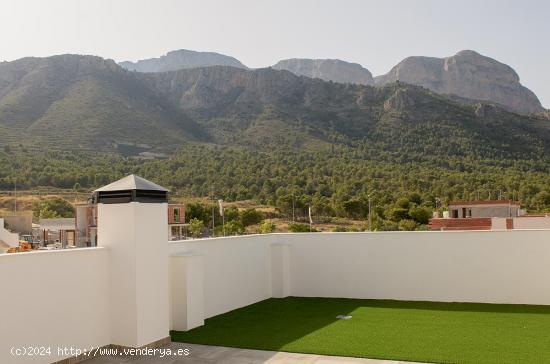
(58, 224)
(485, 202)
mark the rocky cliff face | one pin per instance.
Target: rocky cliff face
(466, 74)
(327, 69)
(182, 59)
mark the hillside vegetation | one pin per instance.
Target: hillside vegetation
(265, 135)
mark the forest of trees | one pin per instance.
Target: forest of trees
(403, 189)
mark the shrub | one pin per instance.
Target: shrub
(300, 228)
(234, 228)
(267, 227)
(396, 214)
(420, 214)
(51, 208)
(196, 227)
(251, 216)
(407, 225)
(339, 229)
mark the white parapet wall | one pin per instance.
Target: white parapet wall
(510, 266)
(12, 239)
(468, 266)
(53, 299)
(236, 270)
(75, 298)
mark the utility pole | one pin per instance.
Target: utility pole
(370, 214)
(222, 212)
(310, 220)
(213, 209)
(293, 208)
(15, 196)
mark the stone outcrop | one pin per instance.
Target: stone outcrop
(466, 74)
(182, 59)
(327, 69)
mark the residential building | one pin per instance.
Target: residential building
(58, 230)
(86, 225)
(177, 228)
(487, 215)
(484, 208)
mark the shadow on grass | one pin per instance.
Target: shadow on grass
(267, 325)
(384, 329)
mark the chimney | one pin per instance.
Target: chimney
(132, 223)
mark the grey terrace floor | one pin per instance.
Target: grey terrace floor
(204, 354)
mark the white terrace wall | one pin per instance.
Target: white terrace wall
(53, 299)
(63, 298)
(476, 266)
(12, 239)
(493, 266)
(236, 270)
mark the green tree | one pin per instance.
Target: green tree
(52, 208)
(198, 211)
(396, 214)
(234, 227)
(196, 227)
(407, 225)
(251, 216)
(231, 213)
(542, 200)
(420, 214)
(267, 227)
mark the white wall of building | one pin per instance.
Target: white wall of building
(510, 266)
(67, 297)
(532, 222)
(237, 270)
(468, 266)
(53, 299)
(12, 239)
(135, 234)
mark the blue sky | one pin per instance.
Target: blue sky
(376, 34)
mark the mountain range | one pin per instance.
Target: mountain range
(181, 59)
(87, 102)
(467, 75)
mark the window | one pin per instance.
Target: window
(176, 215)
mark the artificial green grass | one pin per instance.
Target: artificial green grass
(398, 330)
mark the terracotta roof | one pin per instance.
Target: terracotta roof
(484, 202)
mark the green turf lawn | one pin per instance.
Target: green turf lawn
(415, 331)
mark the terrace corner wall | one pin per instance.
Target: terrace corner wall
(237, 270)
(510, 266)
(53, 299)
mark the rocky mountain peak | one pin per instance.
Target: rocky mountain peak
(182, 59)
(327, 69)
(467, 74)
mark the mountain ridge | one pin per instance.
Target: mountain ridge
(180, 59)
(466, 74)
(89, 102)
(334, 70)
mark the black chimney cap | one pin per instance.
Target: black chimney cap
(131, 188)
